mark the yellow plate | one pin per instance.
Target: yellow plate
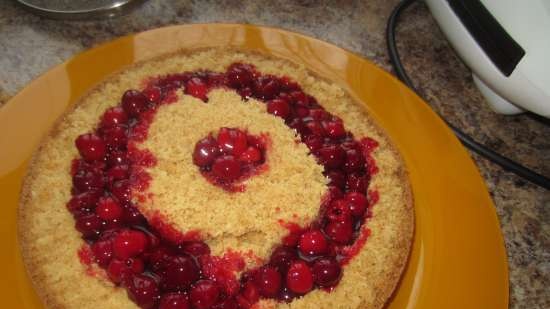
(458, 258)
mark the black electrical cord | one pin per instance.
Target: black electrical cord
(504, 162)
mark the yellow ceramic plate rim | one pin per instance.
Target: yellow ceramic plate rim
(458, 258)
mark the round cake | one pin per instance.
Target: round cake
(216, 179)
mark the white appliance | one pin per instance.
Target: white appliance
(506, 44)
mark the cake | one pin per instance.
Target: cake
(216, 179)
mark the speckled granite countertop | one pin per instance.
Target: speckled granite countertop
(29, 45)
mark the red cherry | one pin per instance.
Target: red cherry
(357, 183)
(251, 155)
(197, 88)
(282, 257)
(229, 303)
(313, 243)
(278, 107)
(340, 232)
(174, 301)
(153, 94)
(91, 147)
(313, 142)
(338, 211)
(134, 102)
(269, 281)
(103, 252)
(299, 98)
(181, 272)
(357, 202)
(326, 272)
(299, 278)
(143, 290)
(118, 172)
(88, 180)
(118, 269)
(114, 116)
(334, 129)
(319, 114)
(89, 225)
(117, 157)
(108, 209)
(337, 179)
(204, 294)
(206, 150)
(132, 216)
(129, 243)
(315, 128)
(354, 161)
(239, 75)
(232, 141)
(267, 87)
(196, 248)
(83, 202)
(332, 156)
(226, 168)
(121, 190)
(249, 296)
(115, 136)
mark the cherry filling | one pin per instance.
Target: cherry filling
(230, 157)
(176, 270)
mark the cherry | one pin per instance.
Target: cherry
(278, 107)
(121, 190)
(90, 146)
(197, 88)
(196, 248)
(248, 296)
(115, 136)
(118, 269)
(251, 155)
(232, 141)
(313, 242)
(313, 142)
(88, 180)
(282, 257)
(267, 87)
(153, 93)
(340, 232)
(334, 129)
(181, 272)
(83, 202)
(326, 272)
(357, 183)
(117, 157)
(134, 102)
(299, 278)
(286, 295)
(206, 150)
(332, 156)
(319, 114)
(314, 127)
(338, 211)
(337, 179)
(143, 290)
(357, 202)
(174, 301)
(114, 116)
(269, 281)
(132, 216)
(239, 75)
(108, 209)
(204, 294)
(103, 252)
(129, 243)
(118, 172)
(226, 168)
(89, 225)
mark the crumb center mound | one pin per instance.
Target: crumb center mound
(180, 197)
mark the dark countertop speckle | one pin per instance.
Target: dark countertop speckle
(30, 45)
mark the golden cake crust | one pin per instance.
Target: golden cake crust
(49, 242)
